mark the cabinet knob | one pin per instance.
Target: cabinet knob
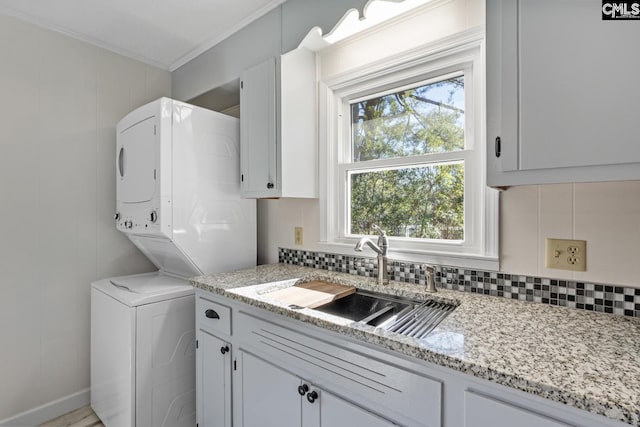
(269, 185)
(211, 314)
(312, 396)
(303, 389)
(224, 349)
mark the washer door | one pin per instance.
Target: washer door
(166, 364)
(136, 162)
(112, 360)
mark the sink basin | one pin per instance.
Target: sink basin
(369, 307)
(396, 314)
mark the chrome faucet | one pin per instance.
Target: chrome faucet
(381, 249)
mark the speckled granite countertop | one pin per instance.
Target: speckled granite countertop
(588, 360)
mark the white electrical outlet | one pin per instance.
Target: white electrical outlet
(566, 254)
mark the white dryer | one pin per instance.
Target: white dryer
(178, 200)
(178, 189)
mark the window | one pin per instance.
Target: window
(402, 147)
(410, 195)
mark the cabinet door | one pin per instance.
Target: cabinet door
(213, 379)
(258, 136)
(336, 412)
(481, 411)
(559, 95)
(269, 396)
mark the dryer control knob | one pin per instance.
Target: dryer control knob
(153, 216)
(128, 224)
(116, 217)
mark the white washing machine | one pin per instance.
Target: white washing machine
(178, 200)
(143, 351)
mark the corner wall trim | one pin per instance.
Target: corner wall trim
(49, 411)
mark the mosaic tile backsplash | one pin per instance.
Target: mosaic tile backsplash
(580, 295)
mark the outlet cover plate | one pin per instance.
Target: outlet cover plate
(566, 254)
(297, 235)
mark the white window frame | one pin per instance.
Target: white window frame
(435, 61)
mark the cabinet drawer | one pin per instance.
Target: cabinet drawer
(212, 316)
(486, 411)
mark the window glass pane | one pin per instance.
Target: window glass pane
(422, 120)
(421, 202)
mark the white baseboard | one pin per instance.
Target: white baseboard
(49, 411)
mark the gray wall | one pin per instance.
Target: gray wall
(277, 32)
(63, 98)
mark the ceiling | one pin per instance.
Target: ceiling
(163, 33)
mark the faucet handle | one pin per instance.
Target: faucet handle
(428, 268)
(431, 277)
(383, 241)
(379, 230)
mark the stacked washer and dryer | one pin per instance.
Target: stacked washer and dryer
(178, 201)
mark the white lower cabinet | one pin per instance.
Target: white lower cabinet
(273, 397)
(483, 411)
(213, 381)
(401, 395)
(286, 373)
(213, 362)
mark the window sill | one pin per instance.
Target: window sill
(478, 262)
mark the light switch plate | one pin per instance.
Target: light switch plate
(566, 254)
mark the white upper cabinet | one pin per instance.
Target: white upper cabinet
(278, 127)
(561, 93)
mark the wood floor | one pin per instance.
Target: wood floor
(83, 417)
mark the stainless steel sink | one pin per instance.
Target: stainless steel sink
(396, 314)
(362, 306)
